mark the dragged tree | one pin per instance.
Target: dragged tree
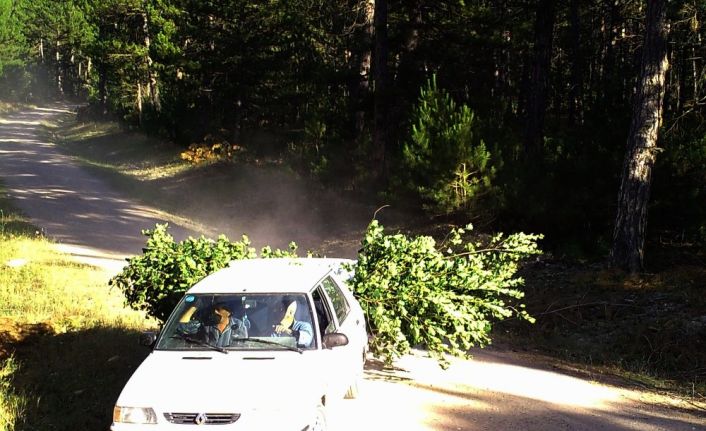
(443, 297)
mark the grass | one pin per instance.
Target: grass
(6, 107)
(66, 339)
(10, 107)
(106, 146)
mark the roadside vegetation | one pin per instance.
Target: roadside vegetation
(6, 107)
(66, 339)
(647, 331)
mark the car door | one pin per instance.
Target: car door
(350, 357)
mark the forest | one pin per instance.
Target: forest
(581, 120)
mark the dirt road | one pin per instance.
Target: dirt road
(90, 220)
(498, 390)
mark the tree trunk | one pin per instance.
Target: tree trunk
(629, 234)
(609, 90)
(151, 74)
(138, 102)
(576, 89)
(103, 87)
(360, 87)
(407, 69)
(539, 76)
(59, 83)
(380, 76)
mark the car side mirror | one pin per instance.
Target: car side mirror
(335, 339)
(148, 338)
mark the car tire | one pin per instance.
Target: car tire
(320, 420)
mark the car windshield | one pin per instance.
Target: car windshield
(225, 322)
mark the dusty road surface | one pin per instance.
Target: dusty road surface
(89, 219)
(497, 390)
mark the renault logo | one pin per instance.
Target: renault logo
(200, 419)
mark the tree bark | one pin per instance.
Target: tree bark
(629, 234)
(59, 83)
(576, 89)
(103, 87)
(539, 76)
(380, 77)
(151, 74)
(138, 102)
(362, 62)
(407, 69)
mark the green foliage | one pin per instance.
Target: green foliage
(12, 404)
(447, 164)
(12, 42)
(413, 293)
(156, 280)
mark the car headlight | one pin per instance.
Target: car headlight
(134, 415)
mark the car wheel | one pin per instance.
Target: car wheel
(320, 420)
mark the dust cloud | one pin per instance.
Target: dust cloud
(272, 206)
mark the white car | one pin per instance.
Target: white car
(264, 344)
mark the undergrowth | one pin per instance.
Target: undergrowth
(649, 330)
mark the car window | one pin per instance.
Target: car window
(270, 321)
(340, 305)
(326, 323)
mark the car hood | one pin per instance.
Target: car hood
(213, 381)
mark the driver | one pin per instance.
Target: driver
(219, 327)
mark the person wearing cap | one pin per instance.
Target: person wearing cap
(218, 330)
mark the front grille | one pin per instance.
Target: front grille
(206, 418)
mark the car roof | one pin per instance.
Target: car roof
(291, 275)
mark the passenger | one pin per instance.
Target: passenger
(219, 328)
(289, 326)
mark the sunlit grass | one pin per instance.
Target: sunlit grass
(5, 107)
(106, 146)
(65, 336)
(37, 284)
(10, 107)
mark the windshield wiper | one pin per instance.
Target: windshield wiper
(200, 342)
(272, 343)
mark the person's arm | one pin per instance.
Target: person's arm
(186, 317)
(303, 332)
(186, 326)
